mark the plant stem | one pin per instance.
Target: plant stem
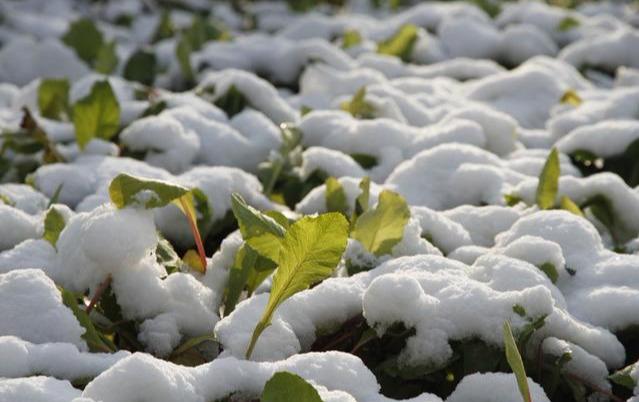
(98, 294)
(196, 234)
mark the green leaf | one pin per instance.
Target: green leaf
(335, 196)
(519, 310)
(53, 225)
(358, 107)
(567, 24)
(550, 271)
(85, 38)
(361, 202)
(622, 377)
(96, 115)
(364, 160)
(183, 52)
(401, 44)
(260, 231)
(53, 98)
(232, 102)
(141, 67)
(287, 387)
(311, 249)
(126, 190)
(244, 262)
(569, 205)
(515, 362)
(548, 181)
(165, 27)
(92, 337)
(107, 59)
(379, 230)
(351, 38)
(512, 199)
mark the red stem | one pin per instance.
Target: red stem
(98, 294)
(196, 234)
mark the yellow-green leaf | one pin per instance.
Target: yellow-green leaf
(361, 202)
(358, 107)
(192, 259)
(401, 44)
(569, 205)
(53, 98)
(85, 38)
(107, 59)
(548, 181)
(514, 361)
(567, 24)
(351, 38)
(380, 229)
(335, 196)
(311, 249)
(126, 190)
(288, 387)
(53, 225)
(570, 97)
(96, 115)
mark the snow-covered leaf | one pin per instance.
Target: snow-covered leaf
(358, 107)
(335, 196)
(287, 387)
(401, 44)
(53, 225)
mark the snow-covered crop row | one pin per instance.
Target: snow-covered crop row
(317, 200)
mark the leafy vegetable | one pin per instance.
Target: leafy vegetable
(310, 251)
(335, 196)
(97, 114)
(53, 99)
(548, 181)
(515, 362)
(569, 205)
(141, 67)
(126, 190)
(570, 97)
(379, 230)
(568, 23)
(351, 38)
(287, 387)
(85, 38)
(358, 107)
(401, 44)
(53, 225)
(107, 59)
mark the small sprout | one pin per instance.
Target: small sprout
(358, 107)
(550, 271)
(53, 225)
(401, 44)
(516, 364)
(568, 23)
(570, 97)
(569, 205)
(548, 181)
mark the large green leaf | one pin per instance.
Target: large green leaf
(548, 181)
(53, 225)
(288, 387)
(96, 115)
(514, 361)
(335, 196)
(380, 229)
(53, 98)
(401, 44)
(311, 249)
(85, 38)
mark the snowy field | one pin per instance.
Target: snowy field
(208, 201)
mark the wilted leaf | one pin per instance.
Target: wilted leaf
(380, 229)
(548, 181)
(311, 249)
(288, 387)
(96, 115)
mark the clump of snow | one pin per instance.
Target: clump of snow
(494, 387)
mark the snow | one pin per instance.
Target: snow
(36, 389)
(31, 308)
(493, 387)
